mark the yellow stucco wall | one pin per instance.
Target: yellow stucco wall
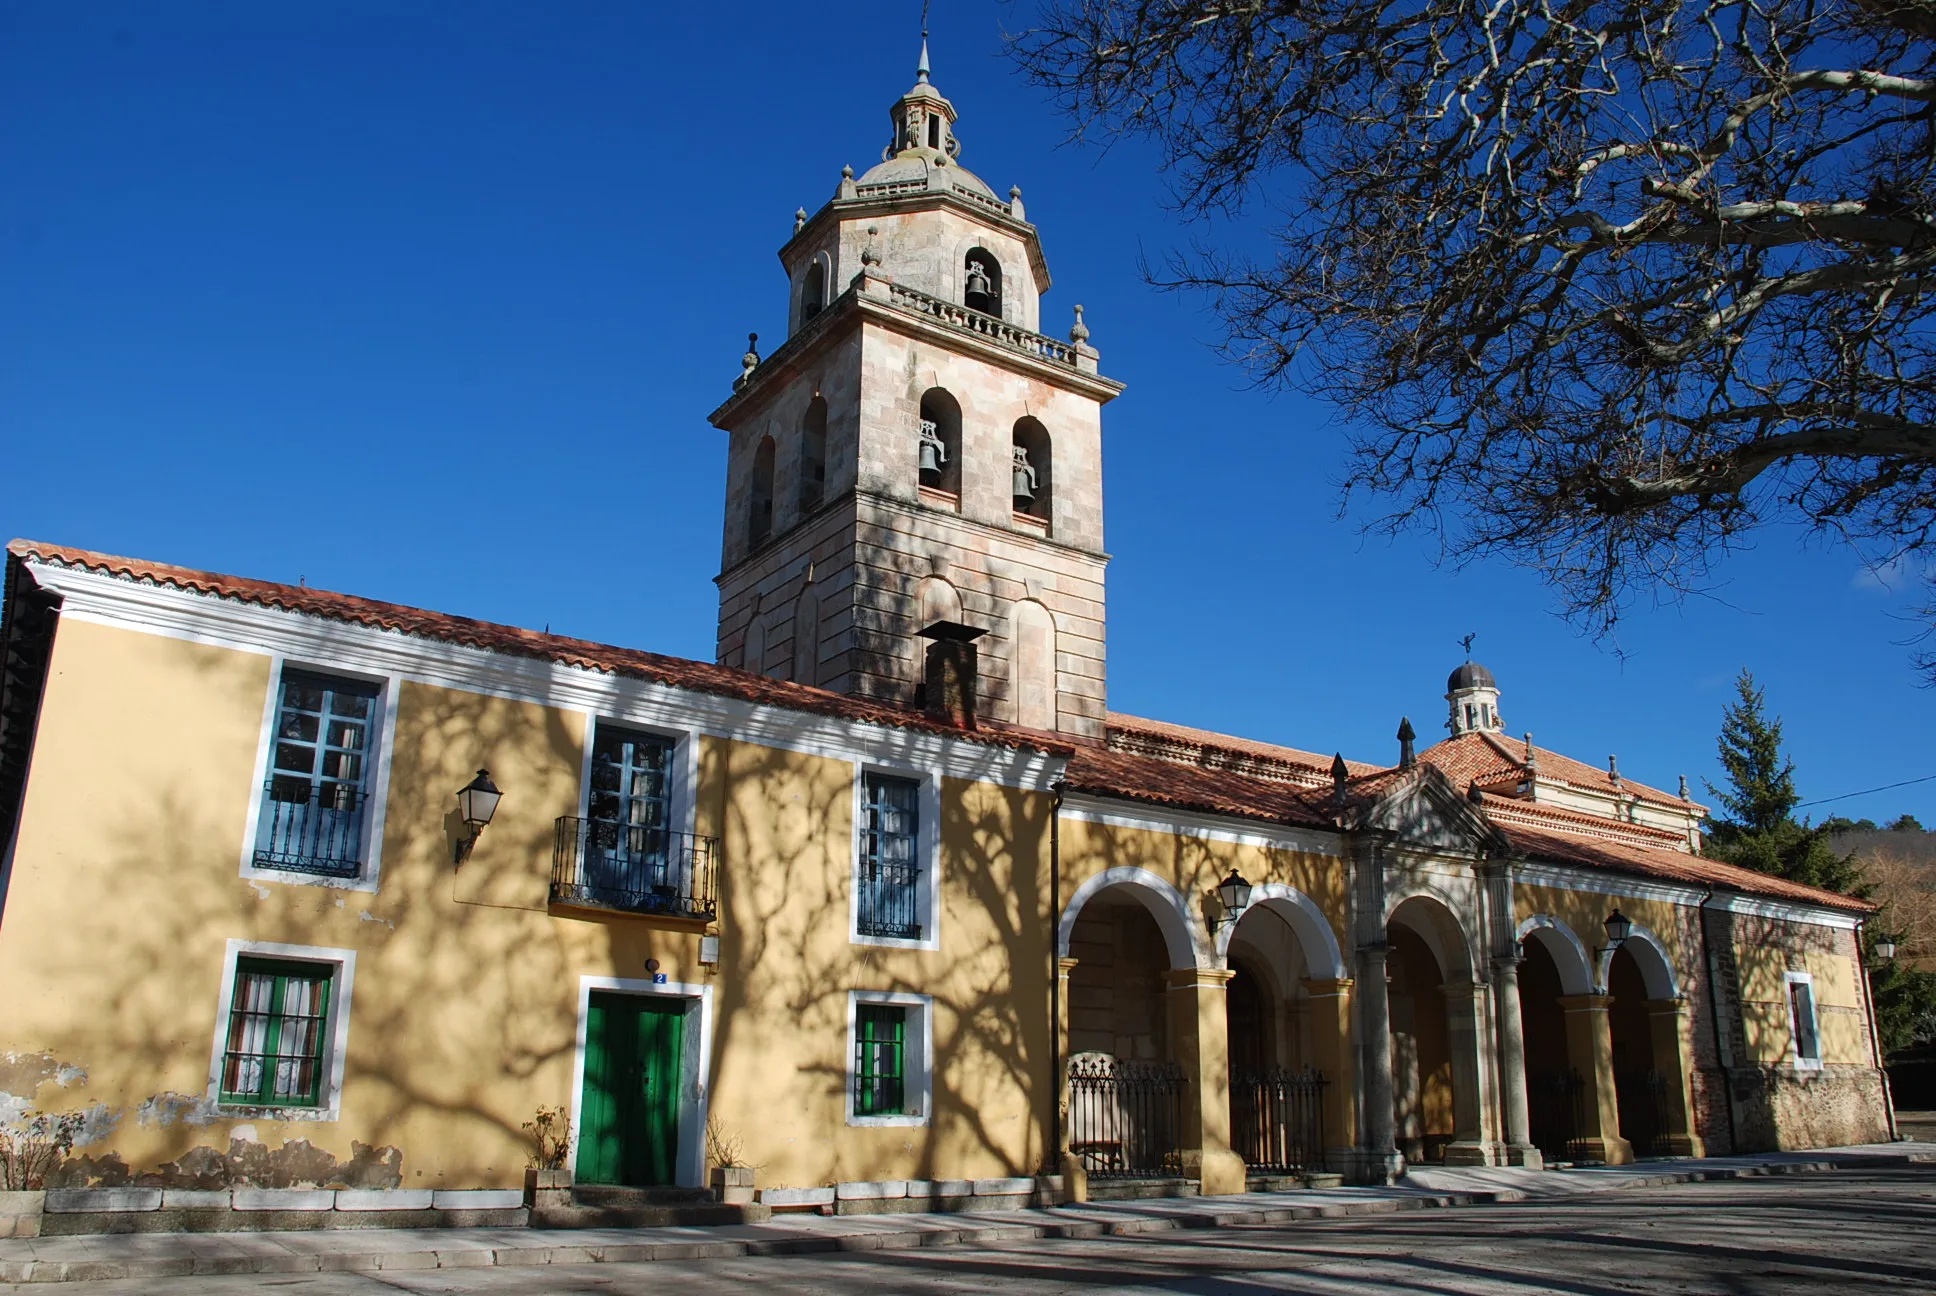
(465, 998)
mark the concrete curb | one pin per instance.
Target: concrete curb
(106, 1257)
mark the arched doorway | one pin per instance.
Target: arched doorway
(1436, 1101)
(1555, 1091)
(1123, 942)
(1648, 1028)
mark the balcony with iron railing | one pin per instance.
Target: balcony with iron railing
(314, 828)
(634, 869)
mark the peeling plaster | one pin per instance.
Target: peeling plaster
(98, 1122)
(369, 917)
(262, 892)
(296, 1164)
(172, 1108)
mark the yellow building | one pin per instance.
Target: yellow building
(886, 900)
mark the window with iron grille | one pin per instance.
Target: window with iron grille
(880, 1060)
(1801, 1008)
(629, 812)
(321, 758)
(890, 863)
(276, 1052)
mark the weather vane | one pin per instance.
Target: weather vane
(1467, 641)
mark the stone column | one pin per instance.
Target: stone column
(1200, 1044)
(1378, 1153)
(1673, 1059)
(1075, 1176)
(1469, 1146)
(1519, 1149)
(1589, 1049)
(1329, 1016)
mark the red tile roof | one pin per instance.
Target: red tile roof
(1186, 787)
(1488, 759)
(674, 672)
(1672, 865)
(1307, 766)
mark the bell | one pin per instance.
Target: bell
(934, 451)
(1024, 479)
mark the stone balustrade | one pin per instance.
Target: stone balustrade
(972, 321)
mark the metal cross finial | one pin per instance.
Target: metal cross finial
(1467, 641)
(921, 69)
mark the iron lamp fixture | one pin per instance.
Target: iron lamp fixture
(476, 803)
(1619, 927)
(1234, 891)
(1885, 948)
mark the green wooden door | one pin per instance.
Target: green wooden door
(629, 1127)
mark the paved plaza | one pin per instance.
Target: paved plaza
(1872, 1229)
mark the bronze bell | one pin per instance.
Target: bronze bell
(934, 451)
(1024, 479)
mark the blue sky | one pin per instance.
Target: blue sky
(429, 301)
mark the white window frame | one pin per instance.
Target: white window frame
(927, 856)
(1796, 1059)
(917, 1063)
(683, 811)
(342, 979)
(371, 874)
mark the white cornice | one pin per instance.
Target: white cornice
(1089, 808)
(322, 641)
(1786, 910)
(1595, 882)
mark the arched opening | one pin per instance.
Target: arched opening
(806, 639)
(940, 442)
(1278, 1091)
(759, 503)
(1032, 648)
(1033, 470)
(1640, 1088)
(1435, 1035)
(939, 601)
(813, 455)
(813, 291)
(1123, 935)
(1554, 1089)
(981, 277)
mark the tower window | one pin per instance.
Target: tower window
(940, 441)
(981, 277)
(813, 455)
(759, 517)
(934, 132)
(1032, 487)
(813, 292)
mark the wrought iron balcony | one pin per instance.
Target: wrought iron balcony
(597, 864)
(311, 828)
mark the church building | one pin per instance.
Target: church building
(306, 890)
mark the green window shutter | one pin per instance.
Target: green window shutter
(277, 1047)
(880, 1060)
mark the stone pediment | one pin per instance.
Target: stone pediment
(1423, 810)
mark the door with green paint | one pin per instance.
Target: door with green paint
(628, 1131)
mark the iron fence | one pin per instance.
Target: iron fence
(312, 828)
(1556, 1103)
(890, 899)
(1277, 1120)
(633, 868)
(1125, 1117)
(1643, 1103)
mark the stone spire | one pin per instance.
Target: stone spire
(923, 120)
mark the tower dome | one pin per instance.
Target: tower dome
(922, 152)
(1473, 695)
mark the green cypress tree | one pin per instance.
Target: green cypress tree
(1760, 830)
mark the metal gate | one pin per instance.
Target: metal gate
(1556, 1104)
(1277, 1120)
(1126, 1118)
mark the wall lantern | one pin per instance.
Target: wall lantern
(1619, 927)
(476, 803)
(1235, 894)
(1885, 948)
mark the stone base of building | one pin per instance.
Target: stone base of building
(1524, 1155)
(1363, 1166)
(1475, 1153)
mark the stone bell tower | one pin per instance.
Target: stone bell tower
(917, 452)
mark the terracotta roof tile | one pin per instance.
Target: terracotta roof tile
(1188, 736)
(674, 672)
(1185, 787)
(1487, 759)
(1672, 865)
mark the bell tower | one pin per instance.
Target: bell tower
(917, 451)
